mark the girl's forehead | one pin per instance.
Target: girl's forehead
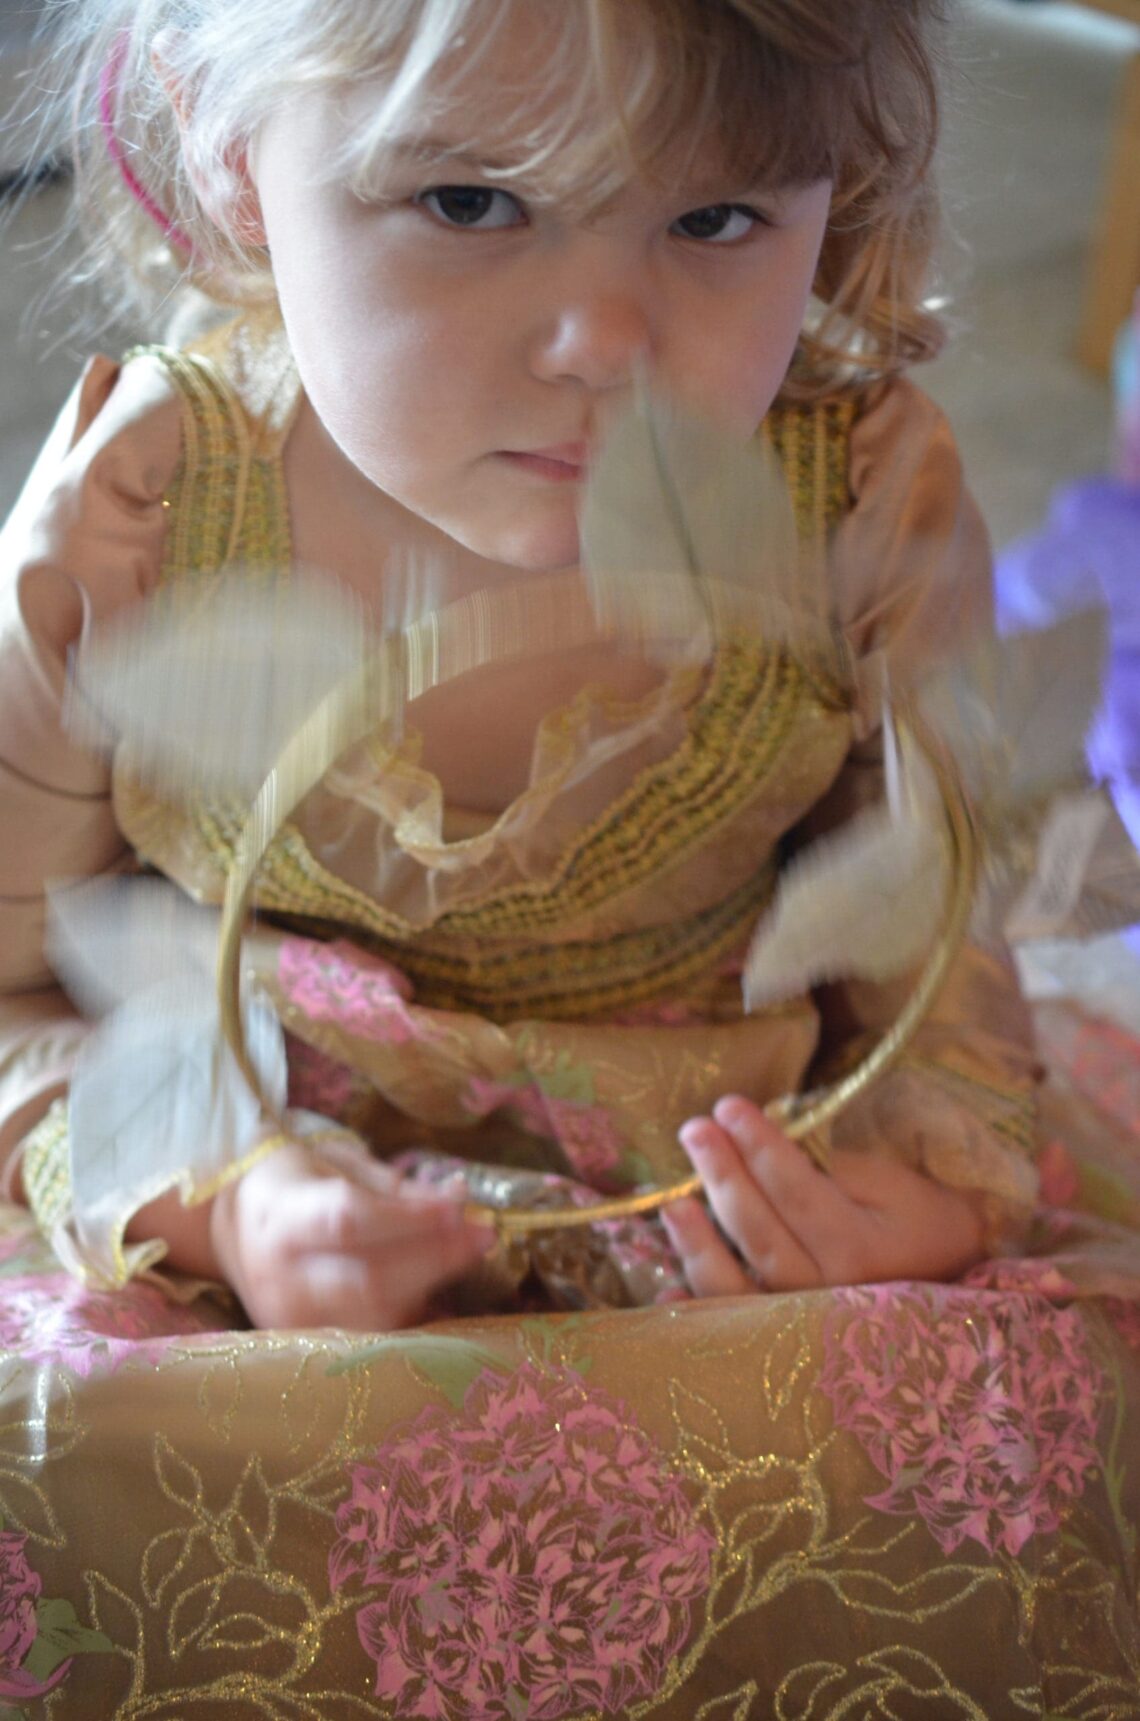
(504, 88)
(535, 96)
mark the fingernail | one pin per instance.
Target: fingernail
(692, 1138)
(732, 1110)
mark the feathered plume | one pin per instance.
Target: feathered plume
(157, 1099)
(204, 685)
(1055, 858)
(1015, 713)
(688, 532)
(867, 900)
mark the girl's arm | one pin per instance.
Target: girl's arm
(322, 1235)
(914, 579)
(84, 539)
(934, 1166)
(303, 1238)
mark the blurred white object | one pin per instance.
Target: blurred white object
(1101, 975)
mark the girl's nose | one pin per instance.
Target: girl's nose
(597, 340)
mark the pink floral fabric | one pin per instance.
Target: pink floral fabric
(342, 984)
(52, 1318)
(1125, 1317)
(529, 1556)
(320, 1083)
(585, 1131)
(1030, 1275)
(980, 1411)
(1104, 1061)
(20, 1587)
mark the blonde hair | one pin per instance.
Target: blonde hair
(790, 90)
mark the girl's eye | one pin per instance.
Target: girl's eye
(718, 223)
(472, 206)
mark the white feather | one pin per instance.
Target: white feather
(1102, 975)
(1085, 875)
(1016, 710)
(205, 684)
(688, 531)
(863, 902)
(109, 939)
(157, 1101)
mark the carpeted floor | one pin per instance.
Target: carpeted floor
(1027, 128)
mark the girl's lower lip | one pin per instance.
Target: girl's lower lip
(542, 466)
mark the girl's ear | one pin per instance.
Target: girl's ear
(234, 206)
(242, 215)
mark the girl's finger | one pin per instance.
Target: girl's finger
(334, 1291)
(388, 1289)
(336, 1216)
(744, 1212)
(710, 1266)
(816, 1209)
(352, 1159)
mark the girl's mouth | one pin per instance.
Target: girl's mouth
(564, 463)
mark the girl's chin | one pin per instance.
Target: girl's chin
(532, 546)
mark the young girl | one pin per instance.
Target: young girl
(435, 243)
(419, 253)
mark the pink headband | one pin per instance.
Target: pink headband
(108, 101)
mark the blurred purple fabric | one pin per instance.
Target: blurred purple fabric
(1088, 553)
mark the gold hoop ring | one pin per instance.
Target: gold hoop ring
(354, 710)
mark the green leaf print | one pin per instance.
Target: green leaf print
(450, 1364)
(453, 1364)
(58, 1636)
(567, 1081)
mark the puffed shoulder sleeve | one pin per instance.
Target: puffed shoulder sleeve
(912, 560)
(913, 584)
(84, 539)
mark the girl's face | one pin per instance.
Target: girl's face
(466, 343)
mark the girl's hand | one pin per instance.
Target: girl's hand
(326, 1236)
(796, 1227)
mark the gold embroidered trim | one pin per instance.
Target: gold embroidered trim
(811, 442)
(45, 1167)
(736, 736)
(571, 982)
(226, 506)
(585, 977)
(736, 733)
(213, 477)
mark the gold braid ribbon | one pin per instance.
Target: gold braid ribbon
(45, 1168)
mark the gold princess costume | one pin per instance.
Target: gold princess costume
(911, 1499)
